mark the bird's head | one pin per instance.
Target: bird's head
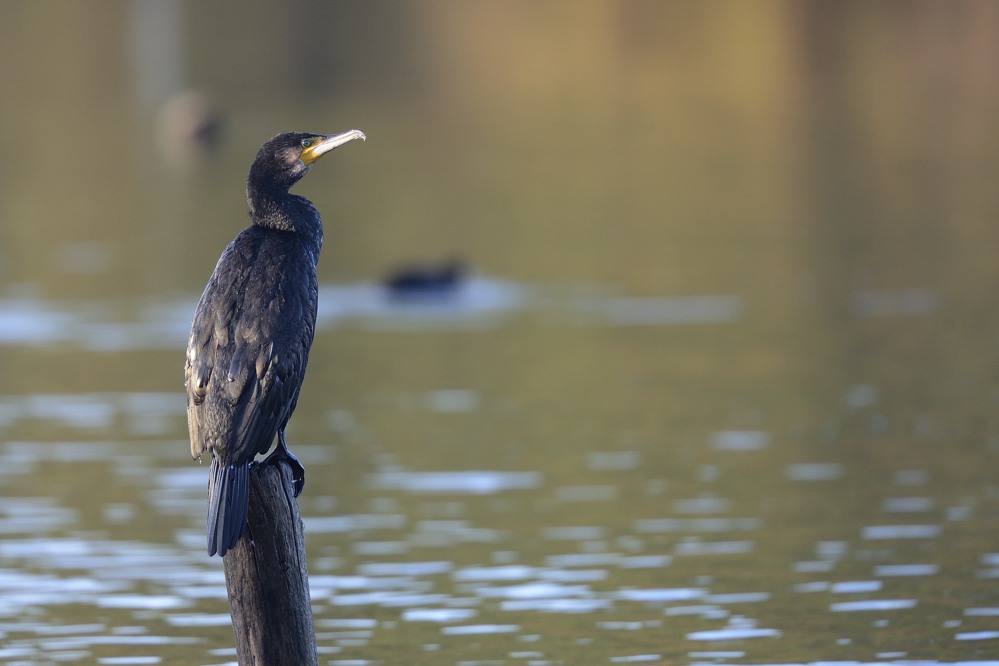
(284, 159)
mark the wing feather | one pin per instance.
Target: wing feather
(248, 349)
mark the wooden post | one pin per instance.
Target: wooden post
(266, 577)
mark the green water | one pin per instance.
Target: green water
(720, 388)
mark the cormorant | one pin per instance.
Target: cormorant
(252, 331)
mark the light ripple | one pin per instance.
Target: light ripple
(872, 605)
(472, 482)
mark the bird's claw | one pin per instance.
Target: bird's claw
(281, 453)
(298, 476)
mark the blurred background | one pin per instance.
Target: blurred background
(649, 331)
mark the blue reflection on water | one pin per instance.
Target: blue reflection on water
(476, 303)
(476, 482)
(143, 414)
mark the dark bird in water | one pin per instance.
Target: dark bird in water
(413, 282)
(252, 331)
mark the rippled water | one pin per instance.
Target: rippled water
(444, 525)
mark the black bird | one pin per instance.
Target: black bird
(415, 282)
(252, 331)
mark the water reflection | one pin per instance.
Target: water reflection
(740, 630)
(476, 482)
(609, 575)
(476, 303)
(36, 322)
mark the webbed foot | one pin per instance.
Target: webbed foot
(280, 453)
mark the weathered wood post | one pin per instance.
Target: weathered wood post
(266, 577)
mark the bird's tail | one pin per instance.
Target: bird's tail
(228, 494)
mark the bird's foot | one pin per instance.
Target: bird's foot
(281, 453)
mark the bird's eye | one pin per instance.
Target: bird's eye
(306, 143)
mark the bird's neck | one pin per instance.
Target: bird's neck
(283, 211)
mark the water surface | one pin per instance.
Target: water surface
(719, 385)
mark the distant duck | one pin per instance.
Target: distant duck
(415, 282)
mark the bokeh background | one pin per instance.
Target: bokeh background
(719, 383)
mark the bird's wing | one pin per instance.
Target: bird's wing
(207, 345)
(266, 403)
(202, 347)
(265, 374)
(247, 352)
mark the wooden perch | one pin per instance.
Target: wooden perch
(266, 577)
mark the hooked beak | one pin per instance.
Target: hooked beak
(327, 142)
